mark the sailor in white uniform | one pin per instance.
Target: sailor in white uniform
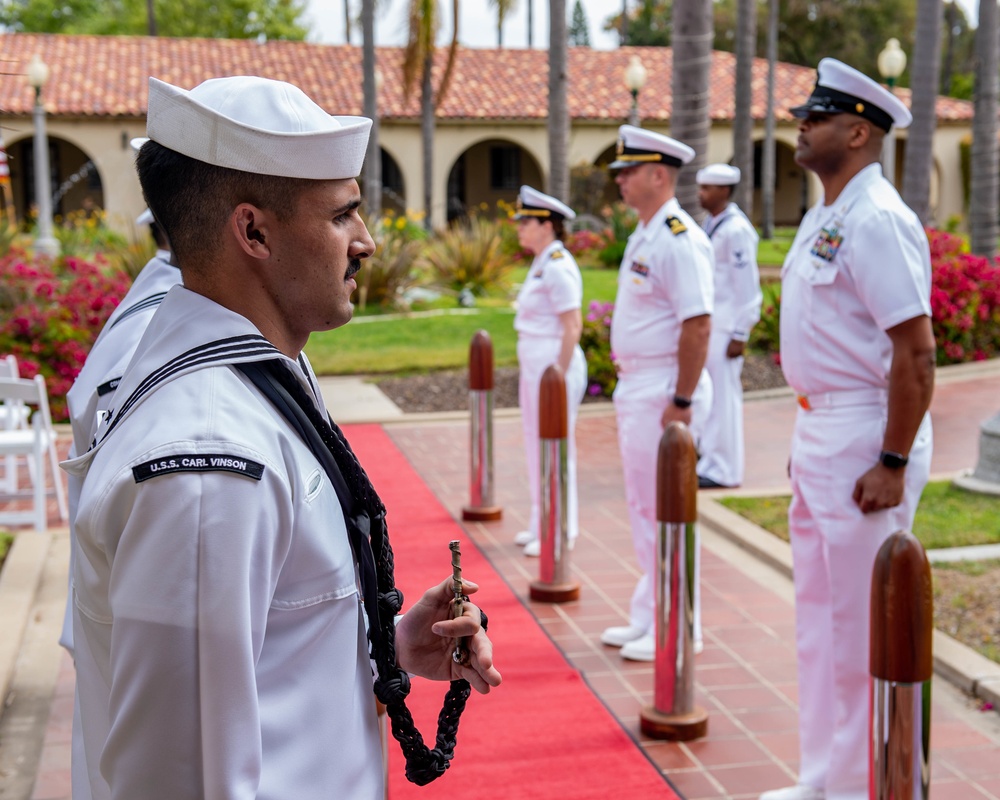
(548, 324)
(737, 310)
(222, 648)
(858, 349)
(659, 337)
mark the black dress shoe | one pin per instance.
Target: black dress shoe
(708, 483)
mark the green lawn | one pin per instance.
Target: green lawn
(771, 252)
(393, 343)
(946, 517)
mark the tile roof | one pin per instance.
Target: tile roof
(105, 76)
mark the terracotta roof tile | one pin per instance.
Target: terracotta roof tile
(105, 76)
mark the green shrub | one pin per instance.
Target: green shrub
(595, 340)
(621, 221)
(766, 334)
(385, 277)
(469, 255)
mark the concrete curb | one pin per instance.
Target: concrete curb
(19, 581)
(955, 662)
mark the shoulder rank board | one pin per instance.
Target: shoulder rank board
(556, 255)
(675, 225)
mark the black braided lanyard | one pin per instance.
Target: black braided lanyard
(364, 513)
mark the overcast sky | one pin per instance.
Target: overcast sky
(477, 25)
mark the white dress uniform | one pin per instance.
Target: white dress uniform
(664, 279)
(856, 268)
(737, 309)
(552, 287)
(215, 587)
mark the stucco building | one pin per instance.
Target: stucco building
(491, 128)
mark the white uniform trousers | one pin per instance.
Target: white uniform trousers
(721, 447)
(534, 355)
(833, 550)
(640, 398)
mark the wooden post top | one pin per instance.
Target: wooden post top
(552, 413)
(480, 362)
(902, 612)
(676, 480)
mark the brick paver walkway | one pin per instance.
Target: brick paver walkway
(746, 677)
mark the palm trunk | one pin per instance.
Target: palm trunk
(983, 210)
(530, 23)
(919, 161)
(767, 166)
(558, 104)
(746, 49)
(347, 21)
(373, 159)
(427, 136)
(692, 55)
(150, 18)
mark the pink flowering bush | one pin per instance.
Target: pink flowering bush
(965, 301)
(595, 340)
(585, 241)
(51, 313)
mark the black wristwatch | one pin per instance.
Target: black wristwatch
(682, 402)
(892, 460)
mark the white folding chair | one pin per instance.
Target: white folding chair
(13, 416)
(34, 443)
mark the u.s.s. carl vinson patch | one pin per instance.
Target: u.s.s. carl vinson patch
(198, 462)
(675, 225)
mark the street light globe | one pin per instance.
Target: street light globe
(635, 75)
(38, 72)
(891, 61)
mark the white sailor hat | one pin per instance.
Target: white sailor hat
(256, 125)
(639, 146)
(842, 89)
(145, 218)
(532, 203)
(718, 175)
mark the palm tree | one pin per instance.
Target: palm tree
(531, 22)
(983, 200)
(767, 166)
(746, 47)
(918, 162)
(558, 123)
(689, 122)
(347, 21)
(418, 61)
(503, 8)
(373, 159)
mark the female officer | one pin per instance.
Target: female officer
(548, 325)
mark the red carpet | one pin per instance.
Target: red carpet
(542, 734)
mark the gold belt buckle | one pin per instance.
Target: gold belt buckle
(804, 402)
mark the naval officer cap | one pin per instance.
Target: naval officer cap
(842, 89)
(532, 203)
(718, 175)
(256, 125)
(639, 146)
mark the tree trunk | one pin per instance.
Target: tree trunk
(373, 158)
(692, 55)
(949, 53)
(983, 200)
(150, 18)
(427, 135)
(558, 104)
(746, 49)
(623, 26)
(347, 21)
(530, 23)
(919, 159)
(768, 161)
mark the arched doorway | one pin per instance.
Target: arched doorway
(393, 185)
(75, 182)
(488, 172)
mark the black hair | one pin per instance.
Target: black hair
(558, 227)
(191, 199)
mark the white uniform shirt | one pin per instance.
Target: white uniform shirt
(113, 348)
(220, 640)
(552, 287)
(665, 278)
(856, 268)
(737, 280)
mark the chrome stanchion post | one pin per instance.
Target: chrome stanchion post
(554, 584)
(901, 666)
(674, 714)
(481, 506)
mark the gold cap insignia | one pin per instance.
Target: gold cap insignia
(859, 107)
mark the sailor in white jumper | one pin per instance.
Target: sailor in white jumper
(737, 310)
